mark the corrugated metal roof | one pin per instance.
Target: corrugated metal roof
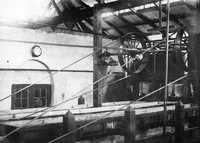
(180, 10)
(113, 32)
(132, 18)
(115, 20)
(153, 15)
(177, 10)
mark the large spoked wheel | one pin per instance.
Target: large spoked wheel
(129, 58)
(181, 50)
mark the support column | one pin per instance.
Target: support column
(130, 125)
(68, 126)
(193, 28)
(179, 123)
(97, 41)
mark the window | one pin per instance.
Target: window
(21, 100)
(33, 97)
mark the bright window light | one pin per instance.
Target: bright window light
(107, 14)
(155, 37)
(22, 9)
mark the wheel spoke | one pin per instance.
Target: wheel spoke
(137, 44)
(184, 34)
(186, 60)
(131, 62)
(132, 43)
(184, 53)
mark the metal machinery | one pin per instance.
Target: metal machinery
(135, 50)
(144, 61)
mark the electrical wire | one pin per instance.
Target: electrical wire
(51, 109)
(94, 121)
(55, 72)
(92, 83)
(73, 97)
(85, 93)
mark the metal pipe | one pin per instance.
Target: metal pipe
(166, 71)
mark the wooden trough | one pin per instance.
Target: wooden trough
(134, 123)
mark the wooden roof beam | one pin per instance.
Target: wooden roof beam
(82, 3)
(56, 7)
(173, 18)
(84, 27)
(74, 17)
(124, 4)
(113, 27)
(150, 22)
(85, 13)
(91, 24)
(131, 26)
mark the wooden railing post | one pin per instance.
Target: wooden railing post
(179, 123)
(68, 126)
(130, 123)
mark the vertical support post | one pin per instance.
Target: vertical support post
(197, 51)
(194, 44)
(130, 124)
(166, 69)
(97, 41)
(179, 123)
(154, 72)
(68, 126)
(2, 132)
(160, 15)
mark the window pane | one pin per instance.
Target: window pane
(37, 93)
(18, 95)
(24, 94)
(17, 103)
(43, 102)
(34, 97)
(24, 103)
(43, 93)
(38, 102)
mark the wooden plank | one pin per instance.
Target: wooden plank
(68, 126)
(179, 123)
(130, 125)
(82, 117)
(17, 114)
(86, 112)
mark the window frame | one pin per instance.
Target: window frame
(31, 95)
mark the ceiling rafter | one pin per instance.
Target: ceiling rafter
(123, 4)
(80, 2)
(71, 7)
(113, 27)
(145, 19)
(85, 13)
(89, 21)
(173, 18)
(84, 27)
(58, 10)
(56, 7)
(130, 25)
